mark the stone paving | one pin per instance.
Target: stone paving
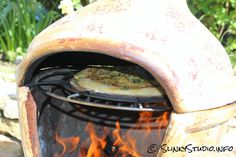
(10, 144)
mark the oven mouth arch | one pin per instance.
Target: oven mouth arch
(70, 58)
(46, 117)
(73, 60)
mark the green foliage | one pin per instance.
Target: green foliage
(78, 4)
(219, 16)
(20, 22)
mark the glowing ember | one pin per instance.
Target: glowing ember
(112, 143)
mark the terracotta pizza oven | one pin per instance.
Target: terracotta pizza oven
(162, 39)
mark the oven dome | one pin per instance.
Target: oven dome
(165, 39)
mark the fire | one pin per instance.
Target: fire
(97, 144)
(145, 118)
(68, 144)
(112, 143)
(125, 148)
(162, 122)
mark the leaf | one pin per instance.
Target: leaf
(5, 11)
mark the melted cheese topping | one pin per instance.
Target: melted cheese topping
(130, 80)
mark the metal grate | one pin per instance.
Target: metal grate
(50, 79)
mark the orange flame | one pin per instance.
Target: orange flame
(162, 122)
(124, 143)
(68, 144)
(97, 144)
(144, 118)
(125, 148)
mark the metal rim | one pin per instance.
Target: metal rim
(72, 97)
(98, 105)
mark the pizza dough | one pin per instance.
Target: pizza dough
(120, 80)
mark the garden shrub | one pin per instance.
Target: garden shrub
(219, 16)
(20, 22)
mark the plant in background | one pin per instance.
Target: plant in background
(69, 6)
(20, 22)
(219, 16)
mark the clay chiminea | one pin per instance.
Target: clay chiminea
(161, 36)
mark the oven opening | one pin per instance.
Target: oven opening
(81, 112)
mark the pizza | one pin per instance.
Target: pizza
(120, 80)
